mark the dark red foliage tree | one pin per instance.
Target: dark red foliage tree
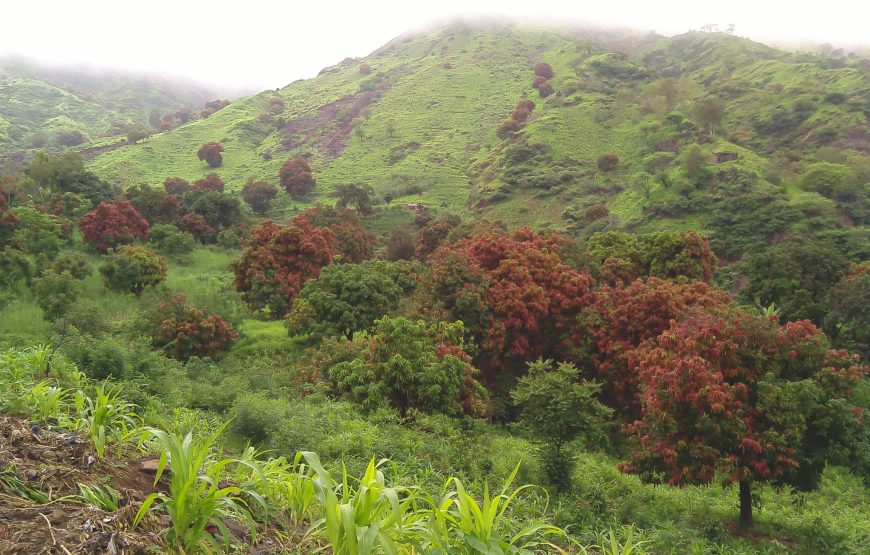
(350, 240)
(296, 177)
(538, 81)
(278, 261)
(210, 183)
(543, 69)
(545, 89)
(110, 225)
(154, 205)
(259, 195)
(433, 234)
(514, 293)
(625, 316)
(737, 396)
(211, 153)
(184, 331)
(608, 162)
(523, 110)
(507, 128)
(196, 225)
(176, 186)
(365, 69)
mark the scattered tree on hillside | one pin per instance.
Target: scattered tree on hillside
(709, 113)
(211, 153)
(354, 193)
(176, 186)
(56, 293)
(739, 397)
(278, 261)
(137, 134)
(259, 195)
(543, 69)
(110, 225)
(365, 69)
(132, 269)
(608, 162)
(296, 177)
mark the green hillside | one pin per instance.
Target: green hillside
(429, 111)
(38, 105)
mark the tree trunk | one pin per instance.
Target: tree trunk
(745, 504)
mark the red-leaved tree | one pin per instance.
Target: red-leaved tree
(259, 195)
(184, 331)
(278, 261)
(351, 241)
(211, 153)
(623, 317)
(210, 183)
(110, 225)
(515, 294)
(176, 186)
(296, 177)
(740, 397)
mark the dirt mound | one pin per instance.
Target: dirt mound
(40, 469)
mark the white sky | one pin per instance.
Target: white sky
(259, 44)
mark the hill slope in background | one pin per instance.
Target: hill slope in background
(39, 104)
(423, 127)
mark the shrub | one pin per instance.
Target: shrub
(196, 225)
(545, 89)
(132, 269)
(211, 154)
(400, 246)
(365, 69)
(153, 204)
(296, 177)
(538, 81)
(110, 225)
(608, 162)
(76, 263)
(184, 331)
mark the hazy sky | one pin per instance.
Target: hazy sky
(263, 44)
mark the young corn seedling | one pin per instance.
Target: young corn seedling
(371, 518)
(458, 524)
(196, 500)
(103, 498)
(46, 401)
(104, 417)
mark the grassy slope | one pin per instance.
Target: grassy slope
(450, 89)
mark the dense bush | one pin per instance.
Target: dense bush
(110, 225)
(608, 162)
(351, 242)
(56, 293)
(211, 183)
(132, 269)
(847, 322)
(543, 69)
(197, 226)
(176, 186)
(154, 205)
(76, 263)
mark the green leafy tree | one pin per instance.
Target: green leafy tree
(412, 366)
(556, 407)
(56, 293)
(347, 298)
(132, 269)
(709, 113)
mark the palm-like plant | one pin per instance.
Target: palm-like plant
(105, 416)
